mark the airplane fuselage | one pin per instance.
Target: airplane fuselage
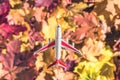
(58, 40)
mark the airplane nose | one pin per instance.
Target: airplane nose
(58, 26)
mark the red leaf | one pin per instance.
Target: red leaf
(87, 23)
(6, 29)
(4, 8)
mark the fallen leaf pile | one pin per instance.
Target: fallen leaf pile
(92, 25)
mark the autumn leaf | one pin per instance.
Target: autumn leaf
(4, 8)
(43, 3)
(88, 19)
(93, 26)
(27, 74)
(13, 61)
(8, 59)
(6, 29)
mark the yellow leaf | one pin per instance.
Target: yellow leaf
(14, 2)
(59, 12)
(16, 16)
(64, 25)
(50, 28)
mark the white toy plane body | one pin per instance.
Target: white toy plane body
(58, 43)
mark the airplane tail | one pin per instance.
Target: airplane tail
(59, 63)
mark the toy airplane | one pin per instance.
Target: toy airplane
(58, 43)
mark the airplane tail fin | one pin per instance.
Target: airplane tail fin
(59, 63)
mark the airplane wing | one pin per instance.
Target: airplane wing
(51, 44)
(66, 45)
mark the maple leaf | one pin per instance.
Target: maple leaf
(87, 29)
(79, 34)
(8, 58)
(13, 61)
(6, 29)
(88, 19)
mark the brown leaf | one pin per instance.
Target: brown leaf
(28, 74)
